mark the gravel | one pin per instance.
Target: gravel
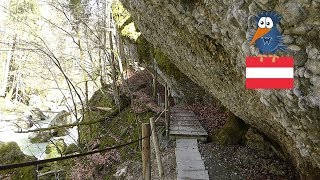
(237, 161)
(240, 162)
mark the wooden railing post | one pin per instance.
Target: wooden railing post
(146, 163)
(155, 80)
(166, 113)
(156, 147)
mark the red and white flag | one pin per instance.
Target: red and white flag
(268, 74)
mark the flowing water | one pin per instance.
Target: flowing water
(8, 128)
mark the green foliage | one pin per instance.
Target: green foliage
(10, 154)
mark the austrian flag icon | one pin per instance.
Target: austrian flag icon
(267, 74)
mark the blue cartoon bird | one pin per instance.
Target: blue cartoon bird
(267, 38)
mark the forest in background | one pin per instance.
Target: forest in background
(58, 60)
(54, 47)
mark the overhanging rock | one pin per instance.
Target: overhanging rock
(207, 41)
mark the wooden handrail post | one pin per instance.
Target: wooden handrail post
(166, 113)
(155, 79)
(156, 147)
(146, 163)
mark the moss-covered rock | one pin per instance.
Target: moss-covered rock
(166, 65)
(55, 149)
(130, 31)
(72, 148)
(10, 154)
(40, 137)
(144, 50)
(124, 22)
(125, 127)
(232, 132)
(101, 98)
(120, 14)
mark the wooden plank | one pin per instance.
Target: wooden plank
(175, 111)
(187, 128)
(182, 114)
(181, 123)
(186, 133)
(194, 175)
(146, 153)
(184, 118)
(202, 138)
(156, 147)
(186, 123)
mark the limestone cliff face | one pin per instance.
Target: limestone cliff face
(207, 41)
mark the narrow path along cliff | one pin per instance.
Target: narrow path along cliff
(207, 42)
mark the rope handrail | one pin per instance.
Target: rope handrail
(33, 163)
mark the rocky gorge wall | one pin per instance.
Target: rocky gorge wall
(207, 41)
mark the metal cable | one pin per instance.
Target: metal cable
(33, 163)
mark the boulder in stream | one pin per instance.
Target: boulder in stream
(11, 153)
(55, 149)
(62, 118)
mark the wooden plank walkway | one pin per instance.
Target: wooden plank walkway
(184, 123)
(187, 130)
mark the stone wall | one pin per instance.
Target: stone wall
(207, 41)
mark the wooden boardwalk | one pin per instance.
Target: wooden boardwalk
(185, 124)
(187, 130)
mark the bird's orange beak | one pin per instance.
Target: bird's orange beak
(259, 33)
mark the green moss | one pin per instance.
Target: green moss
(40, 137)
(72, 148)
(144, 50)
(10, 154)
(130, 31)
(55, 149)
(124, 22)
(166, 65)
(232, 132)
(125, 127)
(120, 14)
(101, 98)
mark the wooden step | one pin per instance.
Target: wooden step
(187, 128)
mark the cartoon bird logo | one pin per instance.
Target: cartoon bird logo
(267, 38)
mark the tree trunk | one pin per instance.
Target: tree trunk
(113, 68)
(6, 70)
